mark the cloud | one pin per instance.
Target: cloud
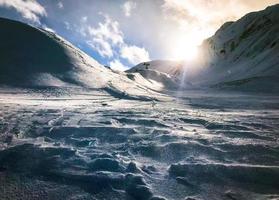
(105, 36)
(117, 65)
(29, 9)
(134, 54)
(109, 30)
(102, 46)
(127, 7)
(60, 5)
(108, 40)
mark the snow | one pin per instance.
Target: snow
(71, 128)
(168, 74)
(200, 145)
(165, 66)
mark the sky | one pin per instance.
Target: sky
(123, 33)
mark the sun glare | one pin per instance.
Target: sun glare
(184, 52)
(185, 49)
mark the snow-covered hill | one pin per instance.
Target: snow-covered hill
(241, 55)
(31, 57)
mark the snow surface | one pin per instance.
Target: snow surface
(90, 145)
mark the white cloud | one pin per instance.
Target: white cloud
(109, 30)
(105, 36)
(117, 65)
(102, 46)
(108, 40)
(134, 54)
(60, 5)
(29, 9)
(127, 7)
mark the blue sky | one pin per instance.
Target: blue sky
(122, 33)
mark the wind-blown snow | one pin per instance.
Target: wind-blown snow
(90, 145)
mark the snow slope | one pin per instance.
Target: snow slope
(31, 57)
(244, 50)
(241, 55)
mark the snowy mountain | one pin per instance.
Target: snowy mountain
(244, 52)
(31, 57)
(166, 72)
(240, 55)
(159, 71)
(164, 66)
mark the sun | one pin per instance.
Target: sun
(184, 45)
(185, 52)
